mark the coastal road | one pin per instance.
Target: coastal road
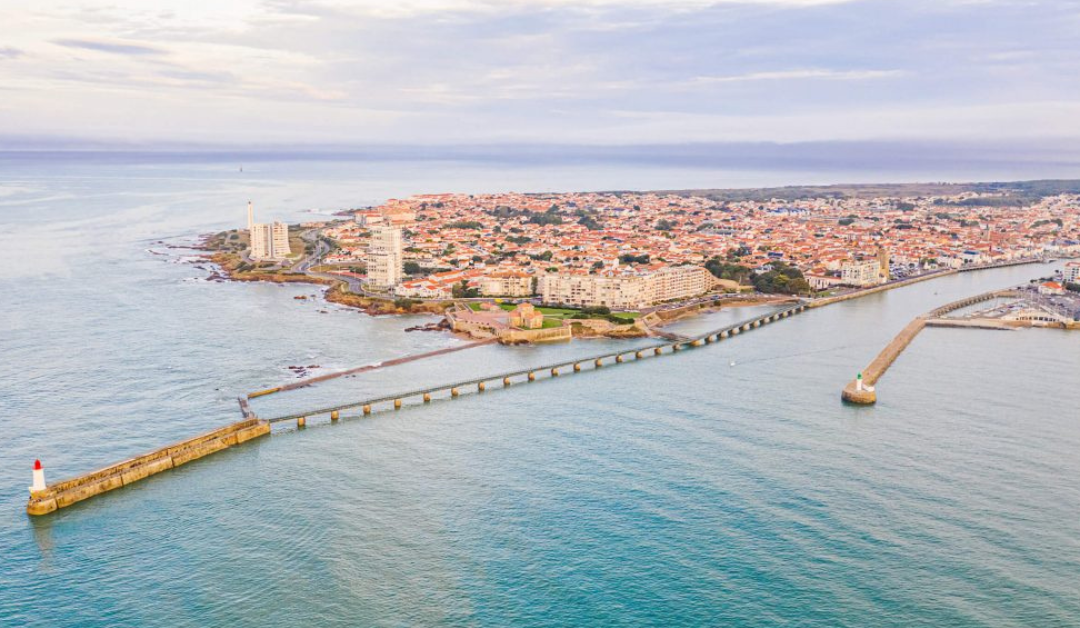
(321, 249)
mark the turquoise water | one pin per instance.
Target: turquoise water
(680, 491)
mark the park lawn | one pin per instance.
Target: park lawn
(550, 323)
(557, 312)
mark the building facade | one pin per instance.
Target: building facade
(1072, 272)
(624, 292)
(269, 241)
(861, 274)
(385, 260)
(506, 284)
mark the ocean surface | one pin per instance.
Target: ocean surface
(681, 491)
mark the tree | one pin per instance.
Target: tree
(461, 290)
(727, 270)
(782, 279)
(413, 268)
(664, 225)
(630, 258)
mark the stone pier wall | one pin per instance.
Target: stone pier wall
(881, 363)
(67, 492)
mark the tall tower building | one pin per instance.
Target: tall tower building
(268, 242)
(883, 264)
(385, 260)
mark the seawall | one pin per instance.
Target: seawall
(67, 492)
(914, 280)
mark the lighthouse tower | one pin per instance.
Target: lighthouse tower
(39, 479)
(858, 382)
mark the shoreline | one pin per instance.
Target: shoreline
(227, 267)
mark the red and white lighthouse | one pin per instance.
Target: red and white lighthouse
(39, 478)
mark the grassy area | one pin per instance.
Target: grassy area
(552, 322)
(296, 244)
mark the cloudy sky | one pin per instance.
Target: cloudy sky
(571, 71)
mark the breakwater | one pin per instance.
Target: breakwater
(67, 492)
(861, 390)
(364, 369)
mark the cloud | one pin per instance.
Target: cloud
(8, 52)
(494, 70)
(796, 75)
(112, 47)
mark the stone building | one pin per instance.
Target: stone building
(525, 316)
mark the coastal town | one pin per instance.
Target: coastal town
(539, 267)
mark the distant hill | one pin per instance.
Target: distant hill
(1017, 192)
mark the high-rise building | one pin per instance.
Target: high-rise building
(385, 260)
(268, 242)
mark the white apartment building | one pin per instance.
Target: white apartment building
(677, 282)
(506, 284)
(867, 273)
(1072, 272)
(624, 292)
(385, 260)
(267, 242)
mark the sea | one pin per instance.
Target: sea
(722, 486)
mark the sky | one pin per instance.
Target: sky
(586, 72)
